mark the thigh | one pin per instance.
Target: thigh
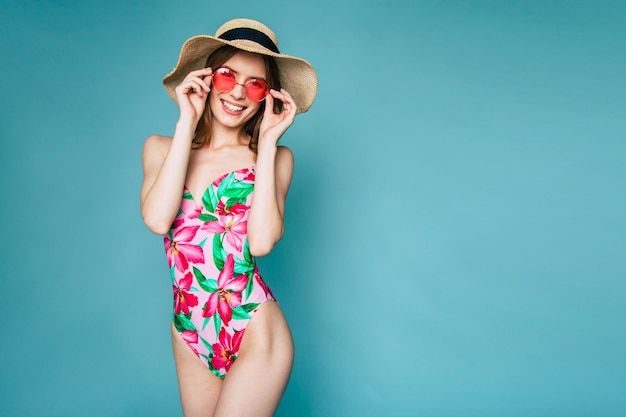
(256, 381)
(199, 387)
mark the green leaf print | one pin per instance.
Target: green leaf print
(199, 275)
(250, 306)
(240, 190)
(207, 218)
(206, 321)
(242, 266)
(209, 285)
(242, 184)
(207, 345)
(218, 254)
(250, 285)
(216, 372)
(173, 273)
(232, 201)
(207, 201)
(217, 322)
(183, 322)
(187, 196)
(213, 198)
(225, 184)
(178, 325)
(240, 314)
(246, 251)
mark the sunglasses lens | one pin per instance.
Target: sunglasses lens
(256, 90)
(224, 79)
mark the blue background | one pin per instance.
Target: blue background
(455, 234)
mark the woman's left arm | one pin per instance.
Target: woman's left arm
(274, 169)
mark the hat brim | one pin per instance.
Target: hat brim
(297, 76)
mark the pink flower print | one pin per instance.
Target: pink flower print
(182, 298)
(250, 176)
(178, 222)
(236, 208)
(263, 285)
(191, 337)
(228, 294)
(232, 225)
(197, 211)
(225, 352)
(179, 252)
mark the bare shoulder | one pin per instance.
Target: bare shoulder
(284, 169)
(284, 158)
(157, 144)
(155, 149)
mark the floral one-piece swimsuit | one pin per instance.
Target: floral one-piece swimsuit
(216, 283)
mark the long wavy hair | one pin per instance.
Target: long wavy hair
(251, 128)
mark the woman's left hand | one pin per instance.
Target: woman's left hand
(274, 125)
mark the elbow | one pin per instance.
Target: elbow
(258, 249)
(158, 226)
(158, 229)
(261, 245)
(161, 231)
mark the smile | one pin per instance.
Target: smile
(232, 107)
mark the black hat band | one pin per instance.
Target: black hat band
(251, 35)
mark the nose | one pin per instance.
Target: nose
(238, 91)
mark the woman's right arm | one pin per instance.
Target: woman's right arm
(165, 160)
(164, 167)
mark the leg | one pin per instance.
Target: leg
(256, 381)
(199, 388)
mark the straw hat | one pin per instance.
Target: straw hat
(297, 76)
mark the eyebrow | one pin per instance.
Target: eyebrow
(237, 72)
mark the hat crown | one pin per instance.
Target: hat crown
(247, 24)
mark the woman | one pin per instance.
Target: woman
(232, 346)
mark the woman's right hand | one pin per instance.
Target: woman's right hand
(192, 93)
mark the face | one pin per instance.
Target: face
(233, 108)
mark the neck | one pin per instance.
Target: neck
(222, 136)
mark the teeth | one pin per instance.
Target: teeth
(232, 107)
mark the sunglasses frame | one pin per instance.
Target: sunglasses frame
(220, 70)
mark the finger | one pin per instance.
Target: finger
(269, 105)
(289, 106)
(282, 94)
(288, 97)
(286, 93)
(208, 81)
(277, 94)
(200, 72)
(194, 86)
(204, 83)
